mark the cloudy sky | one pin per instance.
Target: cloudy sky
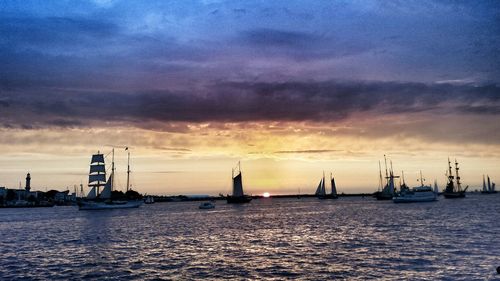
(289, 88)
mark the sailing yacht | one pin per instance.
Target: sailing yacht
(238, 196)
(490, 188)
(420, 193)
(453, 190)
(321, 190)
(388, 191)
(96, 200)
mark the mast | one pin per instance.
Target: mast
(97, 173)
(128, 169)
(421, 179)
(113, 170)
(386, 174)
(380, 186)
(459, 188)
(403, 177)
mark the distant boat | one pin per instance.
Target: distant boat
(420, 193)
(388, 191)
(490, 188)
(206, 205)
(149, 200)
(238, 196)
(453, 190)
(97, 179)
(321, 190)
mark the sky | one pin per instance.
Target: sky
(291, 89)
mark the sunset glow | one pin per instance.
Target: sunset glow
(286, 88)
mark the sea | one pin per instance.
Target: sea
(351, 238)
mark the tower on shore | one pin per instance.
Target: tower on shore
(28, 182)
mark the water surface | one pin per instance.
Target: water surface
(305, 239)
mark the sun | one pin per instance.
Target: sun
(266, 194)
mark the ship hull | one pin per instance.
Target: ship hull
(415, 199)
(328, 197)
(454, 195)
(91, 205)
(383, 196)
(238, 199)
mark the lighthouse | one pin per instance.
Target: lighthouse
(28, 182)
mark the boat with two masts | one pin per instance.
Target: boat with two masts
(420, 193)
(321, 190)
(453, 190)
(238, 196)
(490, 188)
(103, 200)
(388, 191)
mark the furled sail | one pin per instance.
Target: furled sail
(237, 185)
(92, 193)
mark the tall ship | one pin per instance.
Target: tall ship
(237, 196)
(454, 188)
(98, 199)
(388, 191)
(422, 193)
(490, 188)
(321, 190)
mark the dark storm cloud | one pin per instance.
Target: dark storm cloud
(244, 101)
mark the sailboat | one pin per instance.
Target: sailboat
(490, 188)
(453, 190)
(96, 200)
(238, 196)
(388, 191)
(321, 190)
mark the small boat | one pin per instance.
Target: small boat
(206, 205)
(452, 190)
(149, 200)
(238, 196)
(417, 194)
(321, 190)
(488, 189)
(97, 179)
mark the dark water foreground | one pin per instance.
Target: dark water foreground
(308, 239)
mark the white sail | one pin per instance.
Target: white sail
(237, 186)
(106, 192)
(92, 194)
